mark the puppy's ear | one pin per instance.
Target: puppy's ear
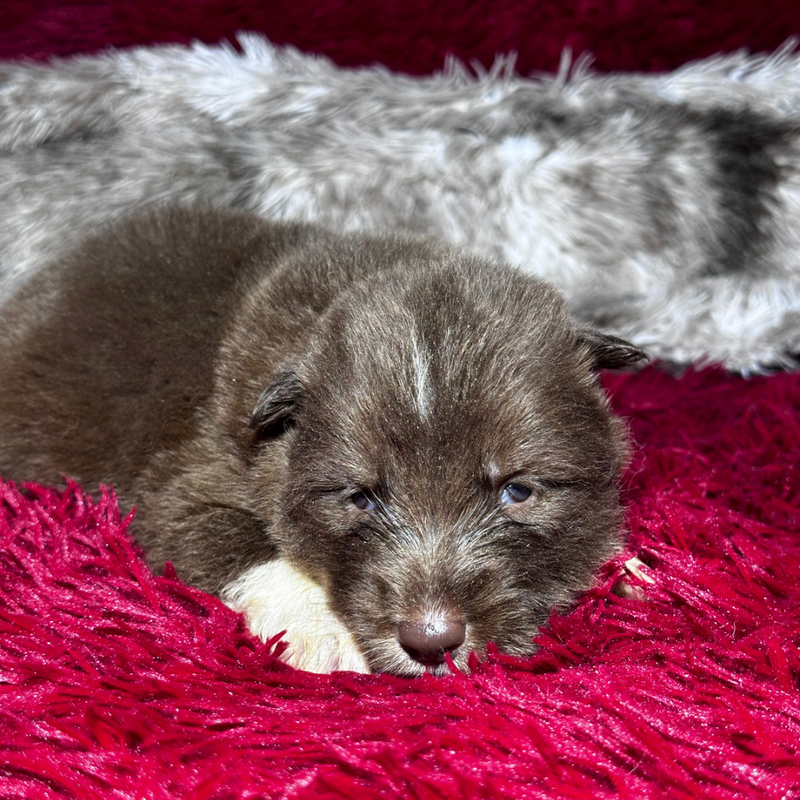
(277, 402)
(609, 352)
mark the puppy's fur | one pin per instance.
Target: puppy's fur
(334, 419)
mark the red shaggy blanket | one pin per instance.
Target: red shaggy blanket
(117, 684)
(414, 35)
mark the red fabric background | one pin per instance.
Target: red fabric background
(414, 35)
(116, 684)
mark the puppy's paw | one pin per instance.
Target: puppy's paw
(275, 597)
(637, 569)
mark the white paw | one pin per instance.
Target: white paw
(638, 569)
(275, 597)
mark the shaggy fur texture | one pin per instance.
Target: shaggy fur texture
(116, 684)
(417, 432)
(666, 208)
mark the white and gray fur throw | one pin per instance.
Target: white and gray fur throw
(666, 207)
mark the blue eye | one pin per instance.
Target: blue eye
(362, 501)
(514, 493)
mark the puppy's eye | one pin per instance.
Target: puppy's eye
(363, 501)
(514, 493)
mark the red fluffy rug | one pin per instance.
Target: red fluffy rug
(414, 35)
(116, 684)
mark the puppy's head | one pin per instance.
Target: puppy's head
(453, 465)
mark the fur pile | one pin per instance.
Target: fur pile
(116, 684)
(666, 208)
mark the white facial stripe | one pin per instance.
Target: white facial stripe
(420, 364)
(275, 597)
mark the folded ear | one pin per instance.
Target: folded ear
(609, 352)
(277, 402)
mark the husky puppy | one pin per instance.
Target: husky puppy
(389, 449)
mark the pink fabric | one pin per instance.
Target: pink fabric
(118, 684)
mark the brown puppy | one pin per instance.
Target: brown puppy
(391, 449)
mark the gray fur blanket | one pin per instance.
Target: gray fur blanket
(666, 208)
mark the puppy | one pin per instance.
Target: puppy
(389, 449)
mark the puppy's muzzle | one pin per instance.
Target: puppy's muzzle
(428, 642)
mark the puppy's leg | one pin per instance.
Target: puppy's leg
(196, 516)
(210, 544)
(275, 597)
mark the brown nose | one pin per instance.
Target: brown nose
(427, 642)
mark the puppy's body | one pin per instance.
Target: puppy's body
(412, 438)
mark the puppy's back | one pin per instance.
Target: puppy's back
(136, 315)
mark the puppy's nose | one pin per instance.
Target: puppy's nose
(427, 642)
